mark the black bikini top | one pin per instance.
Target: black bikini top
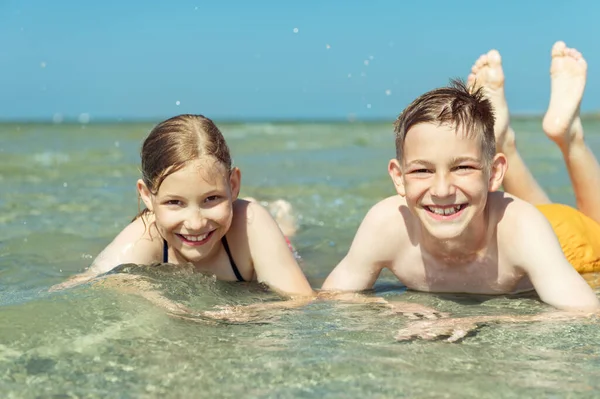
(225, 245)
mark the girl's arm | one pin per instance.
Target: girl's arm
(134, 244)
(274, 263)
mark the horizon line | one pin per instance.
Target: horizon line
(225, 120)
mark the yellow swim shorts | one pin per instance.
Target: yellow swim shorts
(579, 236)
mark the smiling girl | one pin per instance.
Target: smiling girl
(192, 214)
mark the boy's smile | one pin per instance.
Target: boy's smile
(445, 180)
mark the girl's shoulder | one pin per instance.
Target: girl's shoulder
(139, 243)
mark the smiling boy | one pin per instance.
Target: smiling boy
(449, 229)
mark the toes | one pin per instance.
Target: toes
(558, 49)
(481, 61)
(494, 58)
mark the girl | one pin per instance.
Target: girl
(193, 215)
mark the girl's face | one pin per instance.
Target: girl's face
(193, 207)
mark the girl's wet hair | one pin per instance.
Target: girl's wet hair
(454, 105)
(175, 142)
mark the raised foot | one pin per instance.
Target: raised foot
(487, 73)
(568, 74)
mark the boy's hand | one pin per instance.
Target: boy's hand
(415, 311)
(450, 330)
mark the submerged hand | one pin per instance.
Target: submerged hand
(415, 311)
(239, 314)
(450, 330)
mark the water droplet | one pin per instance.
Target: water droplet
(349, 75)
(369, 106)
(366, 62)
(117, 144)
(177, 102)
(43, 64)
(327, 46)
(57, 118)
(65, 184)
(295, 30)
(84, 118)
(388, 92)
(371, 57)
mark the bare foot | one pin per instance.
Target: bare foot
(487, 73)
(282, 212)
(568, 72)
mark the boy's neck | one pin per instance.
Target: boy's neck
(463, 249)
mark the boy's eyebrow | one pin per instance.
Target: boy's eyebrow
(453, 161)
(465, 159)
(419, 162)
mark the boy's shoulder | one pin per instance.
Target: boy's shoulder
(388, 218)
(517, 221)
(390, 208)
(509, 211)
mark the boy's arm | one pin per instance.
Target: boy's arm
(369, 253)
(537, 250)
(274, 262)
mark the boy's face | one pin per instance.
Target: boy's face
(444, 178)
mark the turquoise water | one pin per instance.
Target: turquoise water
(68, 189)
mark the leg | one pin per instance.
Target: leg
(282, 212)
(563, 126)
(518, 181)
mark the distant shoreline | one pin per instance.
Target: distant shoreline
(231, 121)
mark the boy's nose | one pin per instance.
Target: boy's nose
(442, 185)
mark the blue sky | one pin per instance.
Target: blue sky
(248, 60)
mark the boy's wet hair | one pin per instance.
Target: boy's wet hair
(453, 105)
(175, 142)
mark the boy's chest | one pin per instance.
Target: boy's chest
(486, 275)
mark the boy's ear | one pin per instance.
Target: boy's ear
(235, 183)
(497, 172)
(395, 171)
(145, 194)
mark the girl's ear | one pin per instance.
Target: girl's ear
(395, 171)
(235, 183)
(497, 172)
(145, 194)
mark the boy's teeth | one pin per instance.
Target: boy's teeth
(445, 211)
(195, 238)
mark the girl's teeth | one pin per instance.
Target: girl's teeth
(196, 238)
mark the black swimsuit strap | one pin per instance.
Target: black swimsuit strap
(165, 252)
(233, 266)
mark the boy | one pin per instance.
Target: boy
(451, 230)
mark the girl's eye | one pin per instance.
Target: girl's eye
(212, 198)
(174, 202)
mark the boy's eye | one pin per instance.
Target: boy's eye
(421, 171)
(464, 167)
(174, 202)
